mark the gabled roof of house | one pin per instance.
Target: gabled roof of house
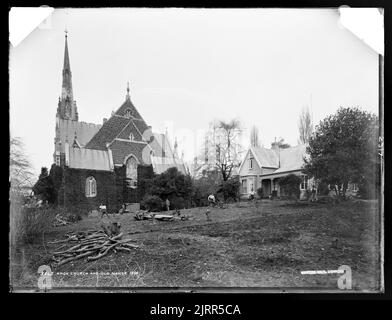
(283, 160)
(291, 158)
(82, 158)
(267, 157)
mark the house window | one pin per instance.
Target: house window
(131, 136)
(244, 189)
(304, 182)
(131, 172)
(57, 160)
(250, 163)
(91, 187)
(355, 187)
(128, 113)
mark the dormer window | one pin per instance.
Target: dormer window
(128, 113)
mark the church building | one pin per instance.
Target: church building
(102, 163)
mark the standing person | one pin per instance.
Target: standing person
(102, 209)
(252, 195)
(122, 209)
(313, 197)
(167, 202)
(211, 200)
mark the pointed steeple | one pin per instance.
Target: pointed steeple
(67, 74)
(67, 106)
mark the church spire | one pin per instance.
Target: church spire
(67, 106)
(67, 75)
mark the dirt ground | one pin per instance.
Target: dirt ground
(247, 245)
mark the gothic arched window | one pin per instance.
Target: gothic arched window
(91, 187)
(131, 136)
(131, 172)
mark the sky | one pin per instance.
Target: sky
(187, 67)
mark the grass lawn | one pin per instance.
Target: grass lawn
(244, 245)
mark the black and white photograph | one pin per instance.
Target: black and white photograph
(203, 149)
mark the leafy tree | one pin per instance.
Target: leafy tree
(44, 186)
(56, 177)
(305, 126)
(208, 184)
(290, 185)
(344, 149)
(171, 184)
(152, 203)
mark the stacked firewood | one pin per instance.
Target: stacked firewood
(93, 244)
(143, 215)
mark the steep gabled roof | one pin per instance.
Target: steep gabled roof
(117, 124)
(128, 105)
(291, 158)
(130, 128)
(267, 157)
(283, 160)
(110, 129)
(140, 125)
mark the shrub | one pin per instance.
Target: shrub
(290, 185)
(169, 184)
(367, 190)
(177, 203)
(32, 223)
(260, 192)
(230, 189)
(323, 189)
(152, 203)
(199, 196)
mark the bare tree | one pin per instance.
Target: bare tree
(254, 137)
(224, 138)
(20, 167)
(305, 125)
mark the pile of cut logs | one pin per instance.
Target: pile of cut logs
(93, 244)
(145, 215)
